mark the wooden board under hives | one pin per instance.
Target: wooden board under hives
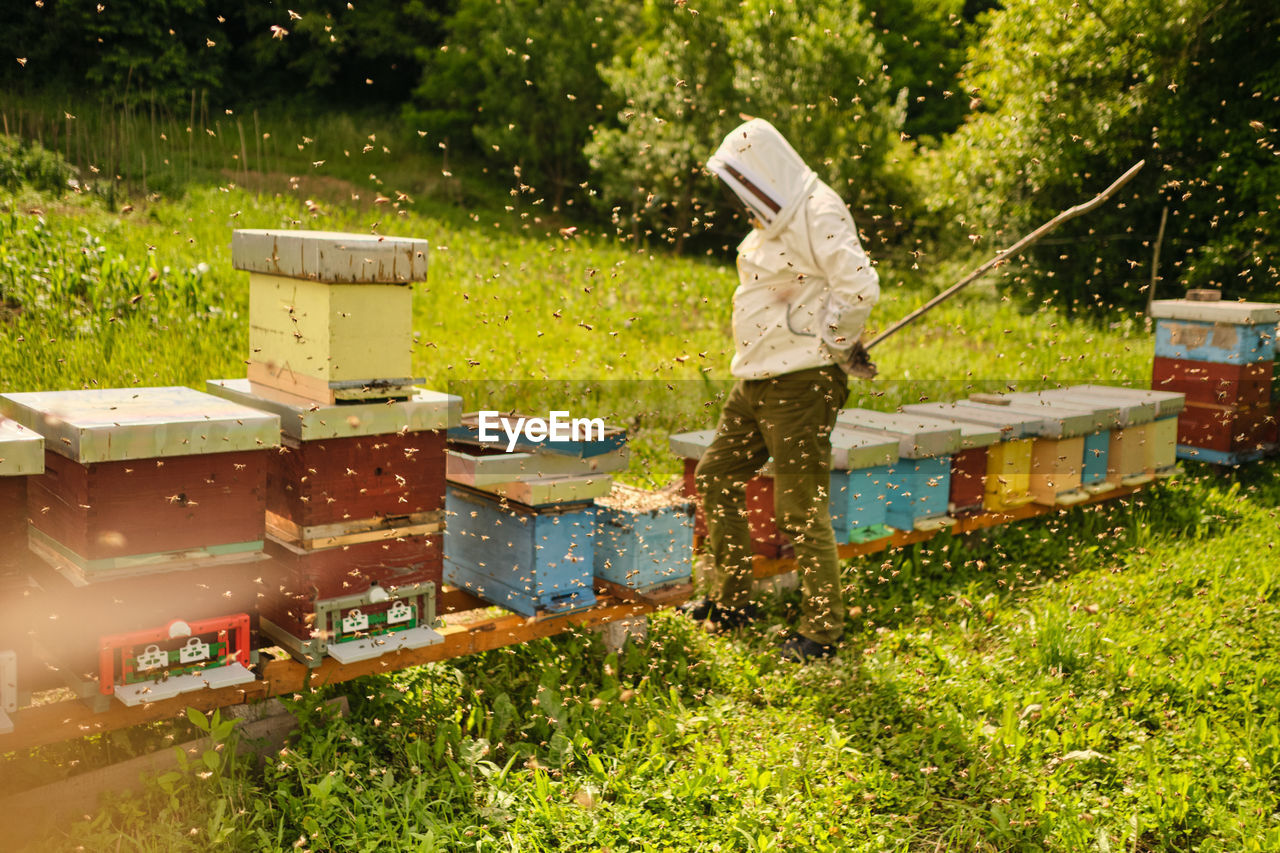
(471, 626)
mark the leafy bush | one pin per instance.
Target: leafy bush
(26, 163)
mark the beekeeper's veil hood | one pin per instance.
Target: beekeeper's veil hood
(764, 171)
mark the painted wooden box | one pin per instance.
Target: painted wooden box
(530, 560)
(920, 481)
(351, 473)
(1225, 435)
(1055, 460)
(122, 605)
(1132, 454)
(1162, 434)
(1246, 386)
(21, 457)
(861, 463)
(766, 539)
(1216, 331)
(991, 470)
(644, 540)
(142, 480)
(330, 314)
(1009, 477)
(355, 602)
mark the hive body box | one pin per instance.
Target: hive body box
(150, 509)
(21, 456)
(861, 468)
(1132, 453)
(920, 481)
(1221, 356)
(530, 560)
(643, 543)
(992, 470)
(331, 314)
(355, 511)
(1163, 433)
(145, 479)
(766, 539)
(1010, 477)
(1070, 446)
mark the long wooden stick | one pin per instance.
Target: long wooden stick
(1012, 251)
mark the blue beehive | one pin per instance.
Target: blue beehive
(919, 483)
(1094, 471)
(860, 477)
(1224, 343)
(644, 540)
(528, 560)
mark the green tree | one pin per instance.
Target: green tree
(1074, 93)
(814, 70)
(519, 80)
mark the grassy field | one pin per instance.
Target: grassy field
(1105, 679)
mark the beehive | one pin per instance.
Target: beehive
(1162, 436)
(142, 480)
(1221, 356)
(530, 560)
(330, 314)
(992, 469)
(644, 540)
(1058, 458)
(355, 508)
(21, 457)
(920, 481)
(861, 470)
(1130, 455)
(766, 539)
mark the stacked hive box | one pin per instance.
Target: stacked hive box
(355, 498)
(919, 487)
(1131, 454)
(1016, 474)
(1072, 444)
(862, 465)
(150, 507)
(644, 540)
(522, 526)
(1221, 356)
(1162, 435)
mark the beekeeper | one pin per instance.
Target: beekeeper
(805, 290)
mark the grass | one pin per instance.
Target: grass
(1103, 679)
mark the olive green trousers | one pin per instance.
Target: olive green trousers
(787, 418)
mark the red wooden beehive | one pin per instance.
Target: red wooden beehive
(355, 507)
(145, 480)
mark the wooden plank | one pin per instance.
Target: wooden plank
(353, 532)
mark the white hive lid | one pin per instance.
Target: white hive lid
(1167, 403)
(919, 438)
(21, 450)
(116, 424)
(1012, 424)
(691, 445)
(855, 449)
(425, 410)
(1237, 313)
(330, 256)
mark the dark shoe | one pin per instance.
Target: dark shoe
(723, 618)
(798, 648)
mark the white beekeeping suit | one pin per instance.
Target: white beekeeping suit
(806, 287)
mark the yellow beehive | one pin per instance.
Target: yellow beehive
(1008, 484)
(330, 314)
